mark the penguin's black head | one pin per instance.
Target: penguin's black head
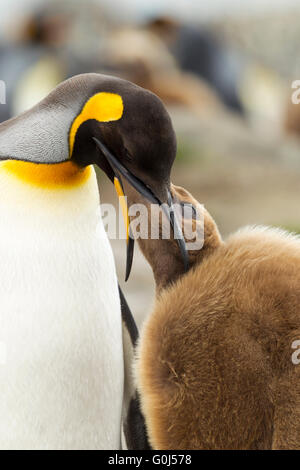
(138, 132)
(102, 120)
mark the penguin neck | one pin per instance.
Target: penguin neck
(48, 193)
(65, 175)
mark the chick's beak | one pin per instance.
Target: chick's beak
(120, 170)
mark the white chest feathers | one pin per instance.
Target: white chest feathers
(61, 365)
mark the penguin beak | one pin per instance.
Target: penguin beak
(120, 170)
(129, 238)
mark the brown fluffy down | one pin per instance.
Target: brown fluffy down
(214, 365)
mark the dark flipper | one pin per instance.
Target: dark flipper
(134, 423)
(135, 427)
(128, 319)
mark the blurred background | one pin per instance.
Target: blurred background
(224, 69)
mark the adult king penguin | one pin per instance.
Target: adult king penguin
(61, 374)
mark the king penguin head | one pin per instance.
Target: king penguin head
(97, 119)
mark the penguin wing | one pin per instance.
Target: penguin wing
(134, 426)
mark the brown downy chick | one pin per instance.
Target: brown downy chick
(214, 367)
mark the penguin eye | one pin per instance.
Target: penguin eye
(127, 155)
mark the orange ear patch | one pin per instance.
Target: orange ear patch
(103, 107)
(54, 176)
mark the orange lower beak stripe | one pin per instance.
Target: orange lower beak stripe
(123, 203)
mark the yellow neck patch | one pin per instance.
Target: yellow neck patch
(103, 107)
(55, 176)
